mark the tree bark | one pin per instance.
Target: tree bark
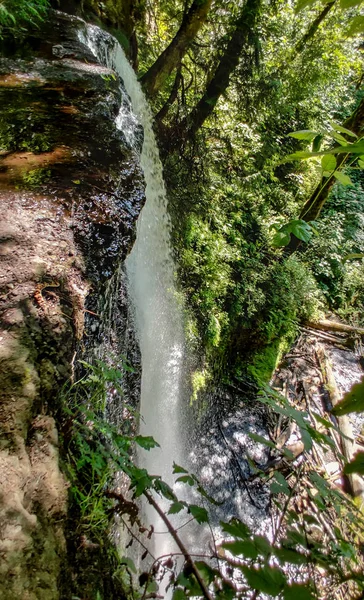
(192, 22)
(312, 29)
(242, 36)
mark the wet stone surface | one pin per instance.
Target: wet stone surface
(71, 189)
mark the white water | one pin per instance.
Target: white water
(150, 270)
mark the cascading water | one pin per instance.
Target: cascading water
(150, 271)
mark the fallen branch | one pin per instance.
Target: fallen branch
(347, 442)
(327, 325)
(180, 545)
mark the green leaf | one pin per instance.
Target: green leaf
(179, 594)
(178, 469)
(164, 489)
(206, 572)
(361, 164)
(297, 591)
(306, 439)
(146, 442)
(176, 507)
(300, 229)
(328, 164)
(128, 563)
(261, 440)
(340, 128)
(301, 4)
(245, 548)
(353, 401)
(342, 178)
(186, 479)
(352, 256)
(344, 4)
(269, 580)
(199, 513)
(262, 545)
(356, 26)
(236, 528)
(280, 239)
(304, 134)
(339, 138)
(357, 148)
(356, 465)
(290, 556)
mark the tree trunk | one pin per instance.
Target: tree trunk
(312, 29)
(242, 36)
(192, 22)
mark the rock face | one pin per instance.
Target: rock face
(70, 192)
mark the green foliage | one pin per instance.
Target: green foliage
(16, 14)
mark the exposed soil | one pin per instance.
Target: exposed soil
(70, 192)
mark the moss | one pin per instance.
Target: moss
(264, 362)
(35, 177)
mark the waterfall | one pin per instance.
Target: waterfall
(150, 270)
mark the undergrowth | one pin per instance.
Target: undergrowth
(310, 550)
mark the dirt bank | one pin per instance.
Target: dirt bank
(70, 192)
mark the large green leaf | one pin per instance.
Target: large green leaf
(300, 229)
(281, 238)
(356, 26)
(297, 591)
(328, 164)
(301, 4)
(236, 528)
(245, 548)
(349, 3)
(340, 128)
(342, 178)
(304, 134)
(269, 580)
(290, 556)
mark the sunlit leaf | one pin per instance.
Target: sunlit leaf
(301, 4)
(344, 4)
(352, 256)
(328, 164)
(304, 134)
(342, 178)
(342, 129)
(280, 239)
(356, 26)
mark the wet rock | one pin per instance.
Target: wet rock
(71, 189)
